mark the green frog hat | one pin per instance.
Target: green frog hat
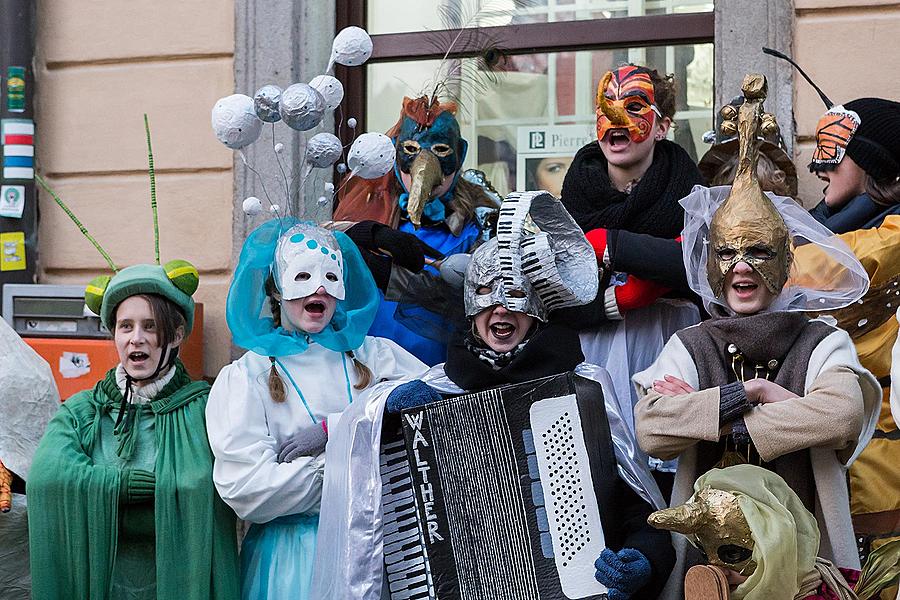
(177, 280)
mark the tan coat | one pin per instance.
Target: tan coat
(834, 419)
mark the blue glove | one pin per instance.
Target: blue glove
(623, 572)
(410, 395)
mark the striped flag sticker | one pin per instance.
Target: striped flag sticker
(18, 150)
(17, 138)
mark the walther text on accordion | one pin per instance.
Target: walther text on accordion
(494, 495)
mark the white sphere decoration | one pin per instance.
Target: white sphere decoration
(352, 47)
(301, 107)
(371, 155)
(342, 168)
(265, 103)
(274, 208)
(252, 206)
(323, 149)
(351, 123)
(329, 187)
(279, 148)
(234, 121)
(322, 201)
(330, 88)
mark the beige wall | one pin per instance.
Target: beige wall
(851, 49)
(100, 65)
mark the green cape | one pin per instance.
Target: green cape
(73, 504)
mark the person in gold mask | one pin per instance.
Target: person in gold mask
(760, 383)
(761, 542)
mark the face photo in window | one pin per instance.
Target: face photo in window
(546, 173)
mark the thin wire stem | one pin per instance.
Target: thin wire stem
(284, 177)
(75, 220)
(261, 182)
(152, 190)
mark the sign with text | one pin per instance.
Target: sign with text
(544, 153)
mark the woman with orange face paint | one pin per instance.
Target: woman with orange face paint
(630, 181)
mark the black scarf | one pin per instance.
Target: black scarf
(860, 213)
(651, 207)
(550, 350)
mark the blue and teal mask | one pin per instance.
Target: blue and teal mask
(428, 154)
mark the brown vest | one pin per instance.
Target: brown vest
(776, 345)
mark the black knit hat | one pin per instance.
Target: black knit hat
(871, 136)
(875, 145)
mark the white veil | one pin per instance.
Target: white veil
(824, 275)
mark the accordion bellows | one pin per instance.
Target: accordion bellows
(492, 495)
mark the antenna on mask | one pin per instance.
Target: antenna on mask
(777, 54)
(152, 190)
(84, 231)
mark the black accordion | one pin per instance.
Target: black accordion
(492, 495)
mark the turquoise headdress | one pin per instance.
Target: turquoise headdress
(253, 327)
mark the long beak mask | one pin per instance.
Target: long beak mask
(426, 175)
(616, 114)
(626, 100)
(714, 521)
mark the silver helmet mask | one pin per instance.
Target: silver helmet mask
(486, 286)
(540, 260)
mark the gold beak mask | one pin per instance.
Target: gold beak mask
(715, 522)
(747, 227)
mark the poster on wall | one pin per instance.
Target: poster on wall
(12, 251)
(17, 139)
(544, 153)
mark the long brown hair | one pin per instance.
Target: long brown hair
(885, 192)
(275, 382)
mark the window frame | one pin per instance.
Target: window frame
(525, 38)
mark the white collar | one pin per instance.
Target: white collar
(146, 392)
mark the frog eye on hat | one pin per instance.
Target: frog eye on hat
(93, 293)
(183, 274)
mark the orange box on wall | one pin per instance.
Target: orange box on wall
(101, 357)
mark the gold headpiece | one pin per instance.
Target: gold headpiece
(747, 227)
(715, 521)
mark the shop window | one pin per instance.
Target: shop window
(524, 127)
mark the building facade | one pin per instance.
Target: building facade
(99, 68)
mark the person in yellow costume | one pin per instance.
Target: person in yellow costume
(857, 155)
(861, 169)
(875, 476)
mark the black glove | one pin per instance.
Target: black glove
(136, 485)
(405, 249)
(309, 441)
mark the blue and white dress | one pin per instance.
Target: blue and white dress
(246, 428)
